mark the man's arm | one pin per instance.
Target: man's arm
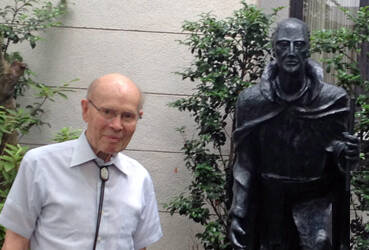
(243, 206)
(14, 241)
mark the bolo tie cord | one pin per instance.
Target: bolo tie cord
(104, 176)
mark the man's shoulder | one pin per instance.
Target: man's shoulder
(132, 166)
(331, 93)
(251, 92)
(45, 151)
(332, 90)
(250, 97)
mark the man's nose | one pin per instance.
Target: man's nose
(291, 50)
(116, 123)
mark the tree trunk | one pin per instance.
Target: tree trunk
(9, 76)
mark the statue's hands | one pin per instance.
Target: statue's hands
(351, 151)
(236, 233)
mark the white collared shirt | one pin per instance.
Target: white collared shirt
(54, 200)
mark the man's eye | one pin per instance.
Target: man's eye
(108, 112)
(299, 44)
(128, 116)
(283, 44)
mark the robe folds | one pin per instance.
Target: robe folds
(287, 159)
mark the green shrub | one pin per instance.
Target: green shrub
(229, 55)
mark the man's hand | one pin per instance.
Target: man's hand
(236, 233)
(14, 241)
(351, 150)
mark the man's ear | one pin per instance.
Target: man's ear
(84, 106)
(140, 114)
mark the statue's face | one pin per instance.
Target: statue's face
(291, 47)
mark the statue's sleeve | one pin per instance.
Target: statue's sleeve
(244, 180)
(339, 125)
(244, 167)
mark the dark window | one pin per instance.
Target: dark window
(364, 3)
(297, 8)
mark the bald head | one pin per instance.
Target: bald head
(116, 81)
(288, 27)
(111, 111)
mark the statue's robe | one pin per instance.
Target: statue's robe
(287, 159)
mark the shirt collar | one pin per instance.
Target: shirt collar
(83, 153)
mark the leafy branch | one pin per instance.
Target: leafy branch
(228, 56)
(23, 20)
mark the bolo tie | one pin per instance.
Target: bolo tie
(104, 176)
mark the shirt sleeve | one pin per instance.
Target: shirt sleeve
(149, 229)
(23, 203)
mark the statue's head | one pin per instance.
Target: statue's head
(291, 45)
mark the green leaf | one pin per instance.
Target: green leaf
(8, 167)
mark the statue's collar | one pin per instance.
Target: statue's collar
(289, 98)
(270, 88)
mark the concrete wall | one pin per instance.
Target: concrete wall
(268, 7)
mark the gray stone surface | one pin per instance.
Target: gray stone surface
(150, 59)
(268, 7)
(159, 15)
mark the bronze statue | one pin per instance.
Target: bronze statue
(292, 148)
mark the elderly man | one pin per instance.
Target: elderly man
(291, 149)
(86, 194)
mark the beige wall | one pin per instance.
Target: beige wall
(136, 38)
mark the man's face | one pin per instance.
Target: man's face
(291, 47)
(111, 114)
